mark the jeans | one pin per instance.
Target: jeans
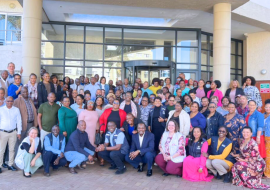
(147, 158)
(49, 158)
(76, 158)
(114, 157)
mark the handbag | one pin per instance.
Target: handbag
(98, 138)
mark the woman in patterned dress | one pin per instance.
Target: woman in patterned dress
(251, 91)
(249, 168)
(234, 123)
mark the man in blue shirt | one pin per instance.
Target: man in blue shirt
(53, 152)
(15, 88)
(146, 89)
(92, 87)
(114, 149)
(79, 148)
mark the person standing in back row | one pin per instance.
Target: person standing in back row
(44, 88)
(47, 116)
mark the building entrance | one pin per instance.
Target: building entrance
(146, 70)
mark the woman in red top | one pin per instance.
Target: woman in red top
(112, 114)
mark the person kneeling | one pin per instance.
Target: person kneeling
(172, 150)
(116, 152)
(79, 149)
(29, 153)
(142, 149)
(220, 161)
(53, 151)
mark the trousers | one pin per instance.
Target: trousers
(169, 167)
(27, 161)
(114, 157)
(217, 166)
(147, 158)
(11, 139)
(48, 160)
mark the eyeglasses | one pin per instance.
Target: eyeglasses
(117, 103)
(221, 131)
(9, 101)
(211, 107)
(171, 100)
(144, 100)
(152, 97)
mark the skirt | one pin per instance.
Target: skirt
(261, 146)
(267, 159)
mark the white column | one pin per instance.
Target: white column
(222, 44)
(31, 38)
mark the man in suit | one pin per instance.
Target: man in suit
(142, 150)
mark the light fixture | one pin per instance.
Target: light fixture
(263, 72)
(12, 5)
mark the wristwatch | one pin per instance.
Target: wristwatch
(105, 148)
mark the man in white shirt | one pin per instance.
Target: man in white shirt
(92, 87)
(142, 150)
(4, 82)
(77, 85)
(10, 130)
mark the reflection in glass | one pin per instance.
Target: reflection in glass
(94, 34)
(93, 52)
(52, 50)
(211, 43)
(240, 62)
(73, 63)
(233, 65)
(233, 47)
(204, 57)
(149, 37)
(112, 74)
(73, 72)
(74, 33)
(129, 73)
(211, 58)
(58, 71)
(52, 62)
(52, 32)
(90, 72)
(204, 43)
(14, 25)
(113, 53)
(74, 51)
(148, 53)
(92, 63)
(113, 35)
(187, 38)
(186, 66)
(187, 55)
(112, 64)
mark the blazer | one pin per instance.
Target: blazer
(20, 104)
(148, 143)
(238, 91)
(42, 92)
(4, 84)
(217, 93)
(107, 88)
(125, 126)
(214, 122)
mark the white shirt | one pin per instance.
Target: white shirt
(10, 119)
(141, 139)
(74, 87)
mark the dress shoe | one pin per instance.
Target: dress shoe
(80, 167)
(46, 174)
(4, 165)
(227, 177)
(26, 175)
(149, 173)
(165, 174)
(12, 168)
(121, 171)
(73, 171)
(113, 167)
(83, 164)
(140, 168)
(218, 176)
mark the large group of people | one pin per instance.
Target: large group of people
(188, 129)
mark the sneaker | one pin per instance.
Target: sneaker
(121, 171)
(227, 177)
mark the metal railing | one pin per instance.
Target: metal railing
(9, 37)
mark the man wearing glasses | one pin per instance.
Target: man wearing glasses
(15, 88)
(10, 130)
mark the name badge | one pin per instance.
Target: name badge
(223, 145)
(198, 147)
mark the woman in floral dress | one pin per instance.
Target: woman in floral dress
(249, 168)
(234, 123)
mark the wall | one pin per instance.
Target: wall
(6, 7)
(258, 54)
(11, 53)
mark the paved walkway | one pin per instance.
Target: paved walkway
(100, 178)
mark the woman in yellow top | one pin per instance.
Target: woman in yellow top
(220, 161)
(155, 85)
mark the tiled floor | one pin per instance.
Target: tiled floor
(100, 178)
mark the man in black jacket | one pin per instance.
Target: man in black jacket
(79, 149)
(142, 150)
